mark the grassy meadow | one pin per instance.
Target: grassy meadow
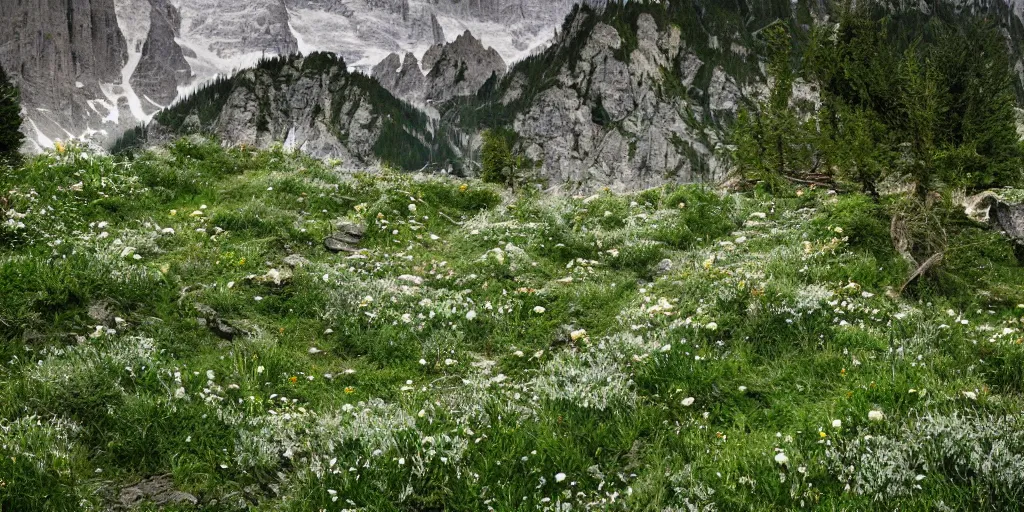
(677, 349)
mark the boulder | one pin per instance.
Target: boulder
(346, 237)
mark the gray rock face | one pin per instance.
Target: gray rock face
(621, 131)
(49, 50)
(312, 104)
(438, 32)
(403, 78)
(162, 67)
(230, 28)
(93, 68)
(458, 68)
(159, 490)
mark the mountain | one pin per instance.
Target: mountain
(458, 68)
(643, 93)
(94, 68)
(309, 103)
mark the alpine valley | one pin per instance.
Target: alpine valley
(629, 96)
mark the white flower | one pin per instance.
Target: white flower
(314, 350)
(412, 207)
(422, 413)
(257, 298)
(539, 310)
(407, 318)
(970, 394)
(560, 477)
(179, 393)
(423, 361)
(326, 278)
(518, 353)
(688, 401)
(260, 369)
(449, 362)
(401, 461)
(711, 326)
(876, 415)
(743, 389)
(577, 334)
(781, 458)
(167, 231)
(470, 315)
(837, 423)
(210, 375)
(666, 347)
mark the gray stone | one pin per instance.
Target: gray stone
(295, 261)
(346, 238)
(100, 313)
(158, 490)
(664, 267)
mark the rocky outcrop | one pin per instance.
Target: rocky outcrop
(438, 32)
(58, 53)
(608, 121)
(231, 28)
(402, 77)
(312, 104)
(162, 67)
(458, 68)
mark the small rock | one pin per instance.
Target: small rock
(416, 280)
(345, 239)
(664, 267)
(224, 330)
(100, 313)
(295, 261)
(158, 490)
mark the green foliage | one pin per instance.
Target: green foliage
(932, 105)
(475, 327)
(11, 138)
(499, 163)
(772, 141)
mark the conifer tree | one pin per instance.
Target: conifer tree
(11, 137)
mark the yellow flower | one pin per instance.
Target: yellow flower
(822, 435)
(60, 147)
(463, 187)
(349, 390)
(293, 379)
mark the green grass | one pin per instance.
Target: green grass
(483, 345)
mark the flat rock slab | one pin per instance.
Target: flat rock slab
(158, 490)
(346, 238)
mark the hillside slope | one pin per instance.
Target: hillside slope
(172, 329)
(643, 93)
(313, 104)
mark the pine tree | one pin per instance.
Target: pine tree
(772, 142)
(11, 137)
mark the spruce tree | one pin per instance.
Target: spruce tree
(11, 137)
